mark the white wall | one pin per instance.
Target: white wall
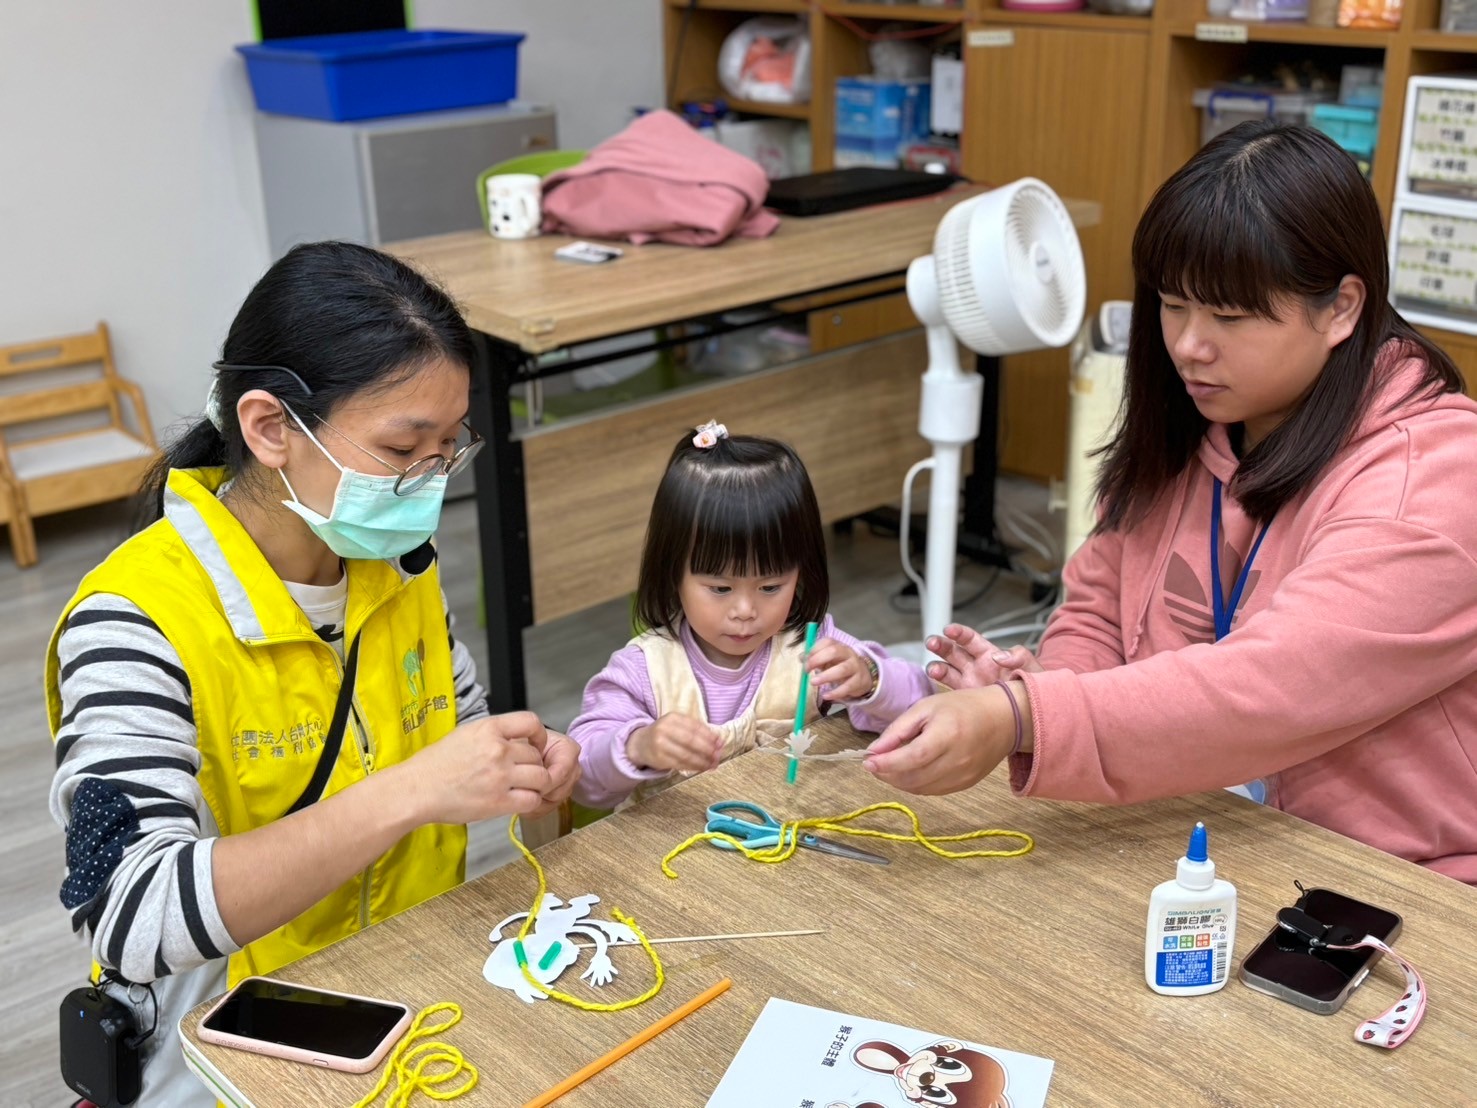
(594, 60)
(130, 191)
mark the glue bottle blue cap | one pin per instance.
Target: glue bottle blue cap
(1198, 851)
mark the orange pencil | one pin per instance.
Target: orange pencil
(629, 1045)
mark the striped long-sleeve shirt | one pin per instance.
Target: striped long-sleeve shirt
(139, 834)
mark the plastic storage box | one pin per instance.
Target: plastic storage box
(1438, 155)
(1223, 108)
(369, 74)
(1433, 262)
(1362, 86)
(877, 117)
(1353, 128)
(1459, 16)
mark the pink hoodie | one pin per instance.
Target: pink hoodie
(659, 179)
(1349, 678)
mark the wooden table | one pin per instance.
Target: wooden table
(573, 498)
(1041, 954)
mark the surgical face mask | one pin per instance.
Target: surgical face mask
(368, 518)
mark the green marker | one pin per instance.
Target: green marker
(810, 633)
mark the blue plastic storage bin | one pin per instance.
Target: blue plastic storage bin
(1353, 128)
(369, 74)
(876, 117)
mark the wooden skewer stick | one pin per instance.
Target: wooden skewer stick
(706, 938)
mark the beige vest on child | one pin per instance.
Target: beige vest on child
(770, 717)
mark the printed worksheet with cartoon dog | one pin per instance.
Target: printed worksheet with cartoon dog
(801, 1057)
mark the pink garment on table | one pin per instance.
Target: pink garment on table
(659, 180)
(1349, 677)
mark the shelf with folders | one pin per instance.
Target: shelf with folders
(1433, 228)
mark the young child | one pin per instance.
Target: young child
(1282, 581)
(733, 569)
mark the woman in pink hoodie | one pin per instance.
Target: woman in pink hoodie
(1283, 581)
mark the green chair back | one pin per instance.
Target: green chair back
(541, 164)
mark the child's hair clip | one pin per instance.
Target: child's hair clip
(709, 434)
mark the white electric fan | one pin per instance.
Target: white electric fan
(1006, 276)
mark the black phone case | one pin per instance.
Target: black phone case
(1290, 993)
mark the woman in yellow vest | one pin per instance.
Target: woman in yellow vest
(267, 737)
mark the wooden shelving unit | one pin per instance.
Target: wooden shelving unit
(778, 111)
(1098, 106)
(927, 13)
(1080, 21)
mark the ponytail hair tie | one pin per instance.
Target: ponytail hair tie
(708, 435)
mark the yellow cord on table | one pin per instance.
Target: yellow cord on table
(411, 1079)
(791, 830)
(554, 994)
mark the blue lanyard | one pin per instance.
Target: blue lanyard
(1223, 609)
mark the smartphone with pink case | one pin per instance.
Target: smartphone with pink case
(281, 1019)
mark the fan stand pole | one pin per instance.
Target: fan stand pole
(979, 540)
(948, 418)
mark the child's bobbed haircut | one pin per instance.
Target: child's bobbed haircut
(742, 506)
(1263, 216)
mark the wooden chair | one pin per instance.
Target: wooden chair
(22, 538)
(53, 472)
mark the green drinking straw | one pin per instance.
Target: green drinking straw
(810, 631)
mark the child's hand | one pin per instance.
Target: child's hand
(675, 742)
(971, 661)
(839, 672)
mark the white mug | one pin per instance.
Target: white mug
(513, 209)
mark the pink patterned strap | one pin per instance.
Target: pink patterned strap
(1396, 1025)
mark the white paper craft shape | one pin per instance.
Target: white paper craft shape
(554, 926)
(799, 1055)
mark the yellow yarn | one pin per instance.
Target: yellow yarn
(791, 830)
(409, 1079)
(538, 903)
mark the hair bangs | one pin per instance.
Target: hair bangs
(740, 528)
(1209, 241)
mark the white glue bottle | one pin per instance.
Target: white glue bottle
(1192, 927)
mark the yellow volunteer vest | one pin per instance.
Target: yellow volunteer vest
(769, 716)
(263, 687)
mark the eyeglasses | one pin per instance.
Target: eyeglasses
(413, 476)
(424, 469)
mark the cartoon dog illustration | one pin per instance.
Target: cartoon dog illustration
(946, 1073)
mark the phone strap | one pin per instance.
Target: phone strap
(334, 740)
(1397, 1023)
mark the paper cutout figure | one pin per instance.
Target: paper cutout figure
(797, 746)
(946, 1073)
(550, 949)
(799, 742)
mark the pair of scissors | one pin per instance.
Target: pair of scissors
(762, 832)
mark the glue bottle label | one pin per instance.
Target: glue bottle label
(1194, 946)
